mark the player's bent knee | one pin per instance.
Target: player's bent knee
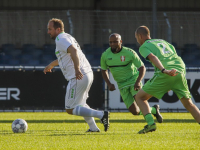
(135, 112)
(69, 111)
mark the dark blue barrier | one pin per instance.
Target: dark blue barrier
(30, 89)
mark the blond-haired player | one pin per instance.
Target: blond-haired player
(77, 70)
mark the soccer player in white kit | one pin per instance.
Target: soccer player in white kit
(77, 70)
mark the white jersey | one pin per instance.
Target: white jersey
(63, 41)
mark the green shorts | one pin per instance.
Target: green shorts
(160, 84)
(127, 94)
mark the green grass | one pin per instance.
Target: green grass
(62, 131)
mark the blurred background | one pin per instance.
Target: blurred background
(23, 27)
(24, 40)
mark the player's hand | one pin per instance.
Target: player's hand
(137, 86)
(47, 69)
(78, 74)
(172, 72)
(111, 87)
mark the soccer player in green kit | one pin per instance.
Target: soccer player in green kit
(124, 64)
(169, 75)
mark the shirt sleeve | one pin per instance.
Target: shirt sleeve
(63, 44)
(136, 60)
(144, 51)
(104, 66)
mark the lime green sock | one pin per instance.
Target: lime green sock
(149, 119)
(152, 109)
(140, 113)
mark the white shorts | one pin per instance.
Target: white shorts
(77, 91)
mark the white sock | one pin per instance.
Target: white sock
(87, 112)
(91, 122)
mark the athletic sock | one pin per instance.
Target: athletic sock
(91, 122)
(87, 112)
(149, 119)
(152, 109)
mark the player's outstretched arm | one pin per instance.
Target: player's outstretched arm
(50, 66)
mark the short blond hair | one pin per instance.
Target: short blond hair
(57, 23)
(143, 30)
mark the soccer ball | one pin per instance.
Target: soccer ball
(19, 126)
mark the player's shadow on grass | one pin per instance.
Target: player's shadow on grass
(164, 121)
(6, 132)
(111, 121)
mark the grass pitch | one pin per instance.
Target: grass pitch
(57, 131)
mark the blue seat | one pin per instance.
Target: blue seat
(95, 62)
(89, 48)
(105, 46)
(6, 47)
(28, 48)
(14, 52)
(24, 59)
(49, 49)
(36, 53)
(14, 62)
(90, 57)
(97, 50)
(33, 62)
(46, 59)
(4, 59)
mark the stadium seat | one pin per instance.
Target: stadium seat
(4, 59)
(14, 52)
(95, 62)
(33, 62)
(6, 47)
(14, 62)
(28, 48)
(36, 53)
(49, 49)
(105, 46)
(89, 48)
(89, 57)
(46, 59)
(24, 59)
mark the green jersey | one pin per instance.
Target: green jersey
(165, 52)
(123, 65)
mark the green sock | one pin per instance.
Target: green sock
(149, 119)
(152, 109)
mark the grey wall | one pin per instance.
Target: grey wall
(133, 5)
